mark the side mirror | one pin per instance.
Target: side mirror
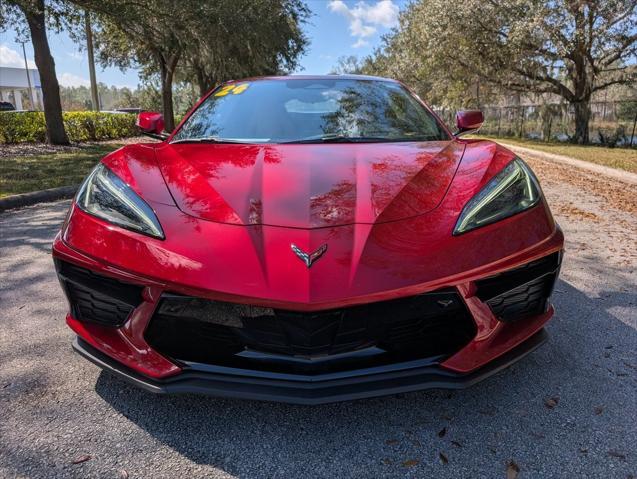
(468, 121)
(151, 124)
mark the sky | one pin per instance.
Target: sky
(336, 28)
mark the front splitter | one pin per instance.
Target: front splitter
(316, 391)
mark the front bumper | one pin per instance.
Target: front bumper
(311, 390)
(501, 335)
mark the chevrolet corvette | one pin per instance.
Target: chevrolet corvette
(308, 239)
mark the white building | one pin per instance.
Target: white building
(13, 81)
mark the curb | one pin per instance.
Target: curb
(614, 173)
(43, 196)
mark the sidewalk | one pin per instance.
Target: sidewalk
(620, 175)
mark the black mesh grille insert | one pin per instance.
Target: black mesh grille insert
(521, 292)
(97, 298)
(427, 325)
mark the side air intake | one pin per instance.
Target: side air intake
(521, 292)
(97, 298)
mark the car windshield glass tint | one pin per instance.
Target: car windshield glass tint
(307, 110)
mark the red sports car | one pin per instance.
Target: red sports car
(307, 240)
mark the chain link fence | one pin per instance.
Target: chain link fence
(612, 123)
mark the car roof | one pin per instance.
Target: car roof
(316, 77)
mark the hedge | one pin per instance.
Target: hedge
(18, 127)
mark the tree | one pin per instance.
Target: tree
(201, 41)
(140, 34)
(241, 38)
(570, 48)
(35, 12)
(349, 64)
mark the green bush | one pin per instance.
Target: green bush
(18, 127)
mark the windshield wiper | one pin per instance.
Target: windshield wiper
(340, 138)
(207, 139)
(333, 138)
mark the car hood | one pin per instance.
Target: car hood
(309, 185)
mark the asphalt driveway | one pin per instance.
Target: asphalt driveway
(567, 410)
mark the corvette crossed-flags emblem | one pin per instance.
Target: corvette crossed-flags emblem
(309, 258)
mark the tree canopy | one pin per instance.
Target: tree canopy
(564, 47)
(201, 42)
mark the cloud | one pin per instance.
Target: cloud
(69, 79)
(364, 19)
(360, 43)
(12, 58)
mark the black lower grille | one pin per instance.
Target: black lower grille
(521, 292)
(97, 298)
(195, 330)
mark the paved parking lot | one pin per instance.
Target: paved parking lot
(567, 410)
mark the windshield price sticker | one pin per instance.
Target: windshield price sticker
(237, 89)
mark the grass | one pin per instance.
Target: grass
(620, 158)
(23, 174)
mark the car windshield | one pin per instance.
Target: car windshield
(311, 110)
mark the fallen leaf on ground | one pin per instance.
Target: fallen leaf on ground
(512, 470)
(81, 459)
(387, 462)
(598, 410)
(551, 402)
(632, 366)
(617, 454)
(391, 442)
(456, 443)
(442, 432)
(411, 463)
(443, 458)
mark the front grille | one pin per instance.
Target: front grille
(97, 298)
(196, 330)
(521, 292)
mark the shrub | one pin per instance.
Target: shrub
(17, 127)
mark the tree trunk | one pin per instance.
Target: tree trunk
(582, 117)
(582, 74)
(91, 60)
(55, 132)
(167, 70)
(201, 81)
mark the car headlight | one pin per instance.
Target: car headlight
(511, 191)
(105, 195)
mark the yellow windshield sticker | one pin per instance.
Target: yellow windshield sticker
(224, 90)
(239, 89)
(234, 89)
